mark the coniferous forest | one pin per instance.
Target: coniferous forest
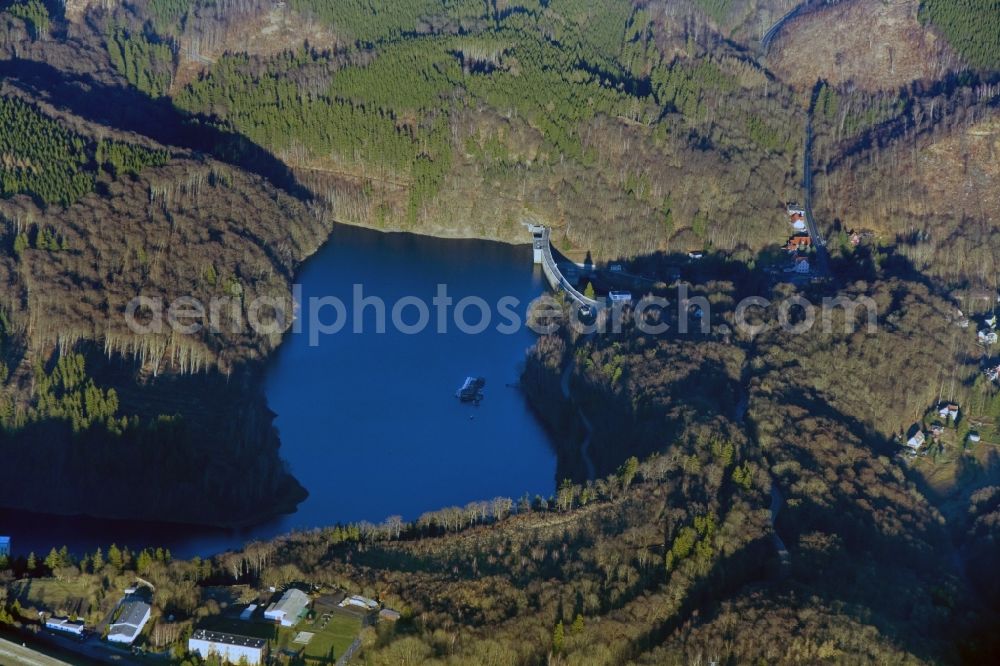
(972, 27)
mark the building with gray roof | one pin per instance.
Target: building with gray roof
(289, 608)
(131, 616)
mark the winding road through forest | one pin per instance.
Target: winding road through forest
(769, 36)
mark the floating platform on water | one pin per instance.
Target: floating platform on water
(471, 390)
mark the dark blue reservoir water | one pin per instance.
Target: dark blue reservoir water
(369, 421)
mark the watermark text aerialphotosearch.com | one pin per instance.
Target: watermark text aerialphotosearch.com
(324, 316)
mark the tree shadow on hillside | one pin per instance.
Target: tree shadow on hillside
(702, 398)
(870, 572)
(196, 448)
(126, 108)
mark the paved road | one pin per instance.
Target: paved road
(769, 36)
(12, 653)
(91, 650)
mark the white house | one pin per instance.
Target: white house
(916, 441)
(974, 437)
(987, 336)
(620, 297)
(947, 411)
(248, 612)
(289, 608)
(65, 625)
(132, 616)
(230, 648)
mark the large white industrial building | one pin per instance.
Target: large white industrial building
(230, 648)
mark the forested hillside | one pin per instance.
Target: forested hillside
(91, 215)
(770, 525)
(748, 504)
(816, 413)
(463, 118)
(43, 159)
(78, 243)
(919, 173)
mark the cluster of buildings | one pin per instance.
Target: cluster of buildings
(133, 613)
(947, 412)
(233, 648)
(130, 617)
(800, 243)
(288, 610)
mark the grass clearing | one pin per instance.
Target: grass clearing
(55, 596)
(331, 637)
